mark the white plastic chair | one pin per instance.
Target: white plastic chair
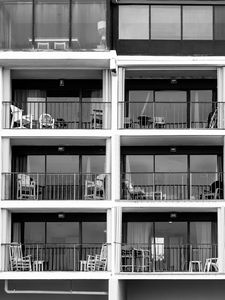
(17, 261)
(19, 118)
(25, 187)
(95, 189)
(46, 121)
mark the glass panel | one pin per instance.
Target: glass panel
(165, 22)
(15, 24)
(203, 163)
(219, 20)
(51, 23)
(62, 232)
(171, 176)
(36, 168)
(171, 163)
(34, 232)
(206, 179)
(170, 238)
(134, 22)
(64, 110)
(93, 164)
(93, 232)
(60, 164)
(140, 107)
(197, 23)
(93, 109)
(173, 108)
(139, 233)
(89, 24)
(201, 108)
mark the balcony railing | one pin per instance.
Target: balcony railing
(55, 257)
(172, 186)
(171, 115)
(159, 257)
(53, 25)
(57, 115)
(48, 186)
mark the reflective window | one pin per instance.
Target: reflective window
(197, 22)
(15, 24)
(34, 232)
(219, 22)
(165, 22)
(93, 164)
(172, 107)
(62, 232)
(134, 22)
(94, 232)
(51, 22)
(89, 24)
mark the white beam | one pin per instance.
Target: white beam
(221, 238)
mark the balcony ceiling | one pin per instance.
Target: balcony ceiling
(56, 74)
(58, 141)
(171, 74)
(171, 140)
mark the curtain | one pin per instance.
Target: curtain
(201, 240)
(139, 233)
(16, 232)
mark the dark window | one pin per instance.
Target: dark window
(220, 22)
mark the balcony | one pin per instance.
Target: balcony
(158, 257)
(49, 186)
(63, 25)
(55, 257)
(172, 186)
(171, 115)
(57, 115)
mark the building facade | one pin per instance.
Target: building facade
(112, 149)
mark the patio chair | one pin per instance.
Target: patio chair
(26, 187)
(159, 122)
(211, 265)
(17, 261)
(46, 121)
(95, 189)
(97, 116)
(215, 191)
(133, 192)
(97, 262)
(21, 121)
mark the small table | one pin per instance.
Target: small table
(195, 265)
(38, 265)
(83, 265)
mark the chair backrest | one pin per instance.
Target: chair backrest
(104, 252)
(46, 119)
(24, 179)
(128, 186)
(15, 252)
(16, 112)
(100, 180)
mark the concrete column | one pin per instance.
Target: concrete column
(5, 168)
(106, 88)
(118, 238)
(220, 96)
(108, 169)
(221, 238)
(5, 237)
(121, 96)
(109, 239)
(6, 98)
(117, 289)
(114, 95)
(115, 163)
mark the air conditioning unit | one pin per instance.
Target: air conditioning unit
(59, 45)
